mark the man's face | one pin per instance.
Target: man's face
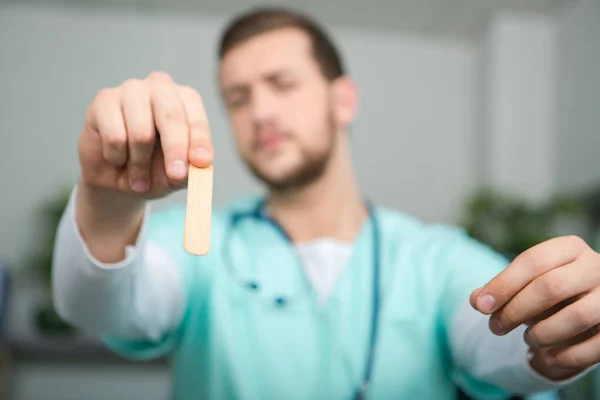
(281, 107)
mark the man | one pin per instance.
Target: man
(312, 291)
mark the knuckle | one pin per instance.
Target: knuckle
(137, 170)
(553, 286)
(583, 318)
(138, 166)
(543, 335)
(141, 134)
(570, 359)
(189, 91)
(140, 160)
(595, 259)
(503, 286)
(576, 242)
(591, 257)
(536, 336)
(132, 83)
(105, 94)
(533, 261)
(508, 317)
(114, 158)
(199, 129)
(114, 141)
(175, 116)
(160, 76)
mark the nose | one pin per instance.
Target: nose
(264, 106)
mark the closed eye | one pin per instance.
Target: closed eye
(236, 97)
(284, 85)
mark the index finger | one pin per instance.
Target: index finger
(201, 149)
(528, 266)
(171, 121)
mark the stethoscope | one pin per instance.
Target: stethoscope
(259, 213)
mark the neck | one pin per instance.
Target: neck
(331, 206)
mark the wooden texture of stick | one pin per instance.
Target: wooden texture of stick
(196, 238)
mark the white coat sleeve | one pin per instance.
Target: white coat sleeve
(140, 297)
(500, 360)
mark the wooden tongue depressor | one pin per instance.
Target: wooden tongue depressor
(196, 237)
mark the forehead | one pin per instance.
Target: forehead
(282, 49)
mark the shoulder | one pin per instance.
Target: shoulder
(434, 243)
(435, 262)
(397, 225)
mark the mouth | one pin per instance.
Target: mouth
(270, 141)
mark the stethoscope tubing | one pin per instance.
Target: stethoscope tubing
(254, 286)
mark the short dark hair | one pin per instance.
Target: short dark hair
(264, 19)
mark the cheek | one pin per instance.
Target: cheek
(310, 116)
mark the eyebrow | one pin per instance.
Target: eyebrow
(270, 77)
(235, 89)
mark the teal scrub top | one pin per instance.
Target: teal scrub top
(236, 343)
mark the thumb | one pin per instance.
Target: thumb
(473, 298)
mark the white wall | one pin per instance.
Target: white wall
(578, 142)
(414, 141)
(519, 96)
(414, 138)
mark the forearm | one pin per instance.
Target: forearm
(500, 360)
(139, 296)
(108, 222)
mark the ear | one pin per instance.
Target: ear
(345, 100)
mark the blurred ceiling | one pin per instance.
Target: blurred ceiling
(465, 18)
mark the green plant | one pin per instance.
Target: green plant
(49, 216)
(510, 224)
(47, 320)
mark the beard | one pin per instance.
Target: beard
(311, 167)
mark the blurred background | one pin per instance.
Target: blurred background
(483, 113)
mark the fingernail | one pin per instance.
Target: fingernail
(140, 185)
(496, 327)
(486, 303)
(202, 153)
(178, 168)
